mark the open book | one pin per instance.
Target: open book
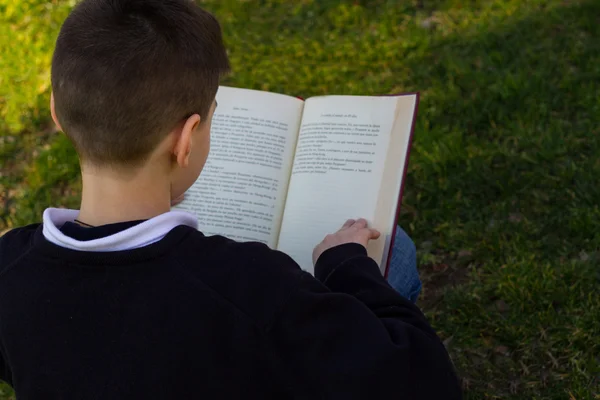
(287, 172)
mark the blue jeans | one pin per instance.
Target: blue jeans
(403, 275)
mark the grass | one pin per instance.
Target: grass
(502, 195)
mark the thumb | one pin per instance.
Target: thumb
(374, 234)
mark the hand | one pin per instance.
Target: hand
(177, 200)
(351, 232)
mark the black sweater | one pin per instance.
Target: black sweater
(193, 317)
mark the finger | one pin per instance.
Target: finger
(374, 234)
(360, 223)
(348, 224)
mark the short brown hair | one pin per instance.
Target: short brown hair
(125, 72)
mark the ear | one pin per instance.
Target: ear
(53, 112)
(183, 143)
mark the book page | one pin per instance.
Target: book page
(338, 169)
(242, 189)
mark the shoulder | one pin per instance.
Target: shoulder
(16, 243)
(228, 253)
(252, 277)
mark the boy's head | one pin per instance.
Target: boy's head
(128, 73)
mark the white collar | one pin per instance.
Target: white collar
(140, 235)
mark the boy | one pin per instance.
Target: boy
(125, 299)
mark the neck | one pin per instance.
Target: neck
(111, 196)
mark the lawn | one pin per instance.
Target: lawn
(502, 194)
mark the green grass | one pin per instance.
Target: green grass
(502, 193)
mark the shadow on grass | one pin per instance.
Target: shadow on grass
(508, 124)
(502, 197)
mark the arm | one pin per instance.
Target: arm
(353, 336)
(348, 269)
(365, 341)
